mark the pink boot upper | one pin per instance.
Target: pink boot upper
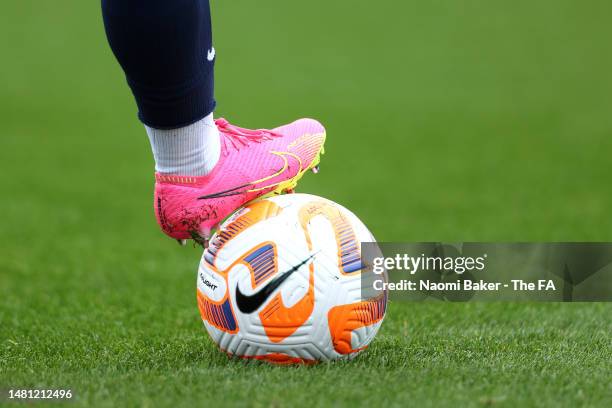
(253, 163)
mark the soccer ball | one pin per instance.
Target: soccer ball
(281, 281)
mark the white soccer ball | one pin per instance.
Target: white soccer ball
(281, 282)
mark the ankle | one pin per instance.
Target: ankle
(192, 150)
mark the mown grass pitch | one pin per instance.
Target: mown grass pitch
(480, 120)
(426, 355)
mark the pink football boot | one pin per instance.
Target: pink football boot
(253, 163)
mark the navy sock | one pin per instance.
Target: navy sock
(165, 49)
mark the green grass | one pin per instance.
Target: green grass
(473, 120)
(153, 352)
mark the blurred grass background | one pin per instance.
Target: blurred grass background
(447, 121)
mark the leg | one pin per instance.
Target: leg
(205, 169)
(165, 48)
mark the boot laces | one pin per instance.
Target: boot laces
(237, 137)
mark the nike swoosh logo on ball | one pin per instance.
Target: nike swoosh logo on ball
(249, 304)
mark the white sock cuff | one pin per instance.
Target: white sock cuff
(191, 150)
